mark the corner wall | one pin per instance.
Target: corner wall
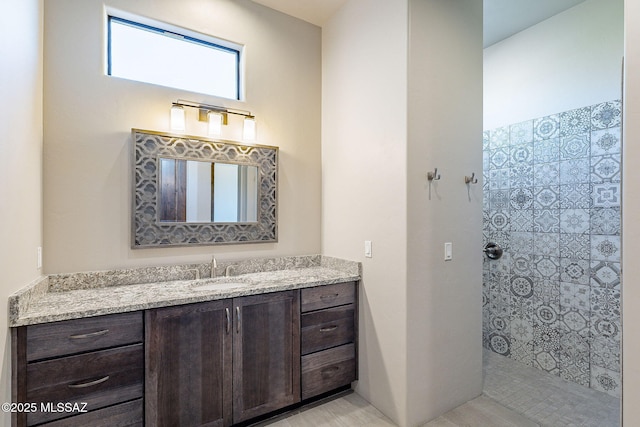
(89, 115)
(630, 223)
(21, 154)
(444, 304)
(394, 98)
(364, 57)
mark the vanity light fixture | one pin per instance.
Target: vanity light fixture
(215, 120)
(177, 117)
(215, 115)
(249, 131)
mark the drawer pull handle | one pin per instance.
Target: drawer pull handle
(331, 296)
(329, 372)
(329, 328)
(90, 383)
(91, 335)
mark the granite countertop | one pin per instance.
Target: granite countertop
(90, 294)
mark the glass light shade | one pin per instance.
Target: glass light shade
(215, 123)
(177, 118)
(249, 131)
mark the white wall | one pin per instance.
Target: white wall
(630, 223)
(394, 98)
(444, 298)
(88, 118)
(364, 85)
(546, 69)
(21, 154)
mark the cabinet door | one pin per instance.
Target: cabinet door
(188, 357)
(266, 353)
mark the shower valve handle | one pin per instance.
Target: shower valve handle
(493, 250)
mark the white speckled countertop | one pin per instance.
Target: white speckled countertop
(62, 297)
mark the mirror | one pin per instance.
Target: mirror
(202, 191)
(197, 191)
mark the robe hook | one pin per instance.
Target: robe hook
(471, 179)
(433, 176)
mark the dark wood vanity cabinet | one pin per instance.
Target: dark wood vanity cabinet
(79, 372)
(214, 363)
(328, 338)
(222, 362)
(188, 365)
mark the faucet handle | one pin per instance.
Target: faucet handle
(228, 269)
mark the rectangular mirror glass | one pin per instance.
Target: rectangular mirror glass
(201, 191)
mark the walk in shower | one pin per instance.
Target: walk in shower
(552, 202)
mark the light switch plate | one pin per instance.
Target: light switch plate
(448, 251)
(367, 249)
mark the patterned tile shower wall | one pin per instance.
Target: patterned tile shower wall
(552, 201)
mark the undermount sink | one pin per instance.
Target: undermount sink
(221, 284)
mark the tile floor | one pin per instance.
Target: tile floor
(347, 410)
(512, 397)
(546, 399)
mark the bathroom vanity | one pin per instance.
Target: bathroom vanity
(213, 351)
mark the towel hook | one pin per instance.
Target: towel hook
(433, 176)
(471, 179)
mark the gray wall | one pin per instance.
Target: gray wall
(630, 223)
(443, 297)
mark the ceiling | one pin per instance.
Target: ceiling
(315, 11)
(502, 18)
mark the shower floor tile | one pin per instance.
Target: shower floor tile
(546, 399)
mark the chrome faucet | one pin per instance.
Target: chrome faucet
(214, 265)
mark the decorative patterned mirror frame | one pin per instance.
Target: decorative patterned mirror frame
(147, 231)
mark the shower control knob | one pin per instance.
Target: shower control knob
(493, 250)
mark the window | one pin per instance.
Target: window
(149, 54)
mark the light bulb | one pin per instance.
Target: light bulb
(249, 131)
(177, 118)
(215, 123)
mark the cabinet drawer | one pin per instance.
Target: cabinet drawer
(128, 414)
(327, 328)
(328, 370)
(327, 296)
(99, 378)
(80, 335)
